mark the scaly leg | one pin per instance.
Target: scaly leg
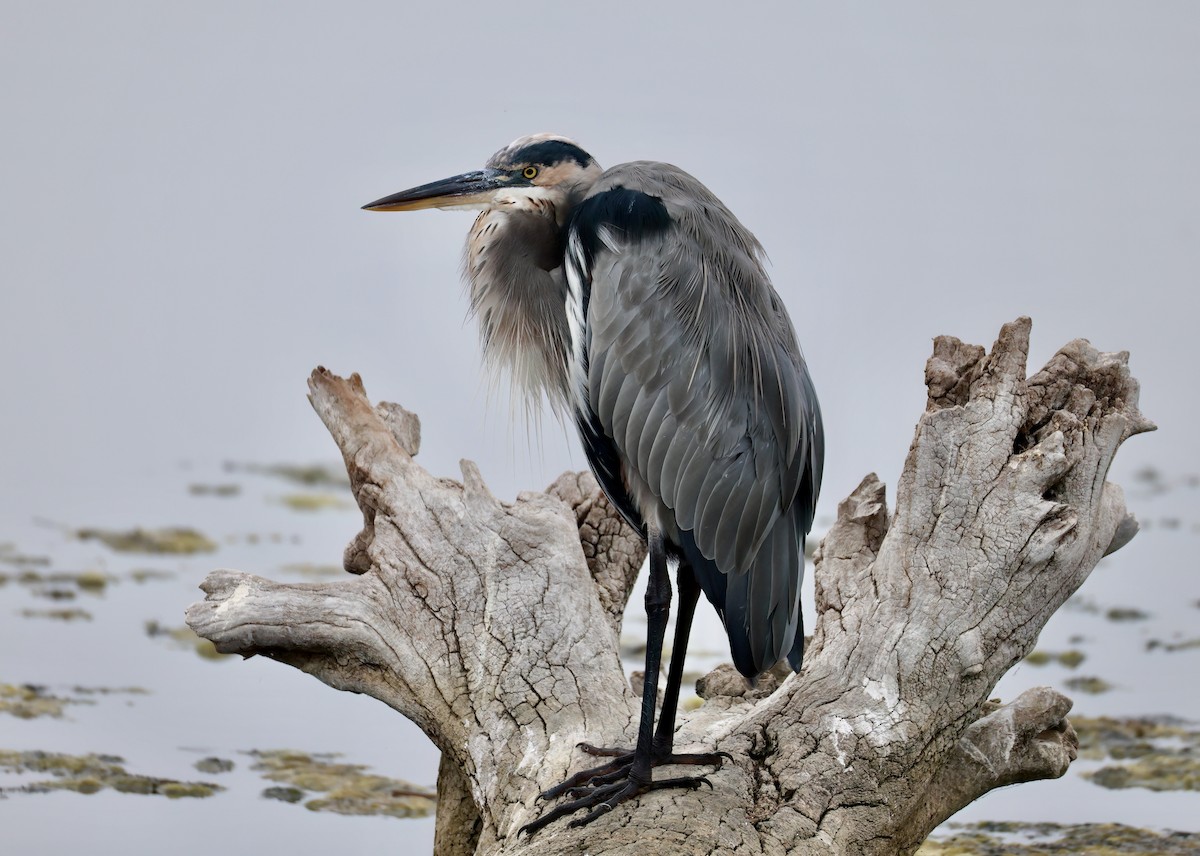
(664, 734)
(602, 788)
(689, 593)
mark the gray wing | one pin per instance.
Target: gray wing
(691, 370)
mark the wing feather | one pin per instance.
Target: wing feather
(694, 375)
(658, 423)
(719, 489)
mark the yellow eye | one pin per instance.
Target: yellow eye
(529, 172)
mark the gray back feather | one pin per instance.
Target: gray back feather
(695, 374)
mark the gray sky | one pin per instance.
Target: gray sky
(182, 239)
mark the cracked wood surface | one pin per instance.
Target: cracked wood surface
(494, 625)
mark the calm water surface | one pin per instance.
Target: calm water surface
(195, 707)
(182, 244)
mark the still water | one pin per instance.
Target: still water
(167, 707)
(182, 243)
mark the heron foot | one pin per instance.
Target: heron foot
(601, 789)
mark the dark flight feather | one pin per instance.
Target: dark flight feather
(697, 410)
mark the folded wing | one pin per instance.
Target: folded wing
(693, 398)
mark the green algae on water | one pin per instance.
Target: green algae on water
(27, 701)
(219, 490)
(1071, 658)
(58, 614)
(214, 765)
(340, 788)
(63, 585)
(313, 501)
(283, 794)
(1172, 647)
(1052, 839)
(1159, 755)
(178, 540)
(1126, 613)
(311, 475)
(145, 575)
(30, 701)
(1089, 684)
(186, 639)
(79, 690)
(88, 774)
(91, 580)
(9, 555)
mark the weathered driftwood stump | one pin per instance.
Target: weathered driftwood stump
(494, 625)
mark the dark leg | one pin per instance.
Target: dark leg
(664, 734)
(689, 593)
(600, 789)
(658, 608)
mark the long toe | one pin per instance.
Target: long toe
(601, 789)
(586, 777)
(596, 781)
(593, 798)
(628, 790)
(605, 751)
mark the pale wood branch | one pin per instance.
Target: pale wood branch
(494, 625)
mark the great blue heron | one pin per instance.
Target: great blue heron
(635, 300)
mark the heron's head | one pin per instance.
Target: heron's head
(541, 172)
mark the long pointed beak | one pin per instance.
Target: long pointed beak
(468, 189)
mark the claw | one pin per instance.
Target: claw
(601, 789)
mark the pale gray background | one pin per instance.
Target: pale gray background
(181, 242)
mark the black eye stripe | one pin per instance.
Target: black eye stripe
(551, 152)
